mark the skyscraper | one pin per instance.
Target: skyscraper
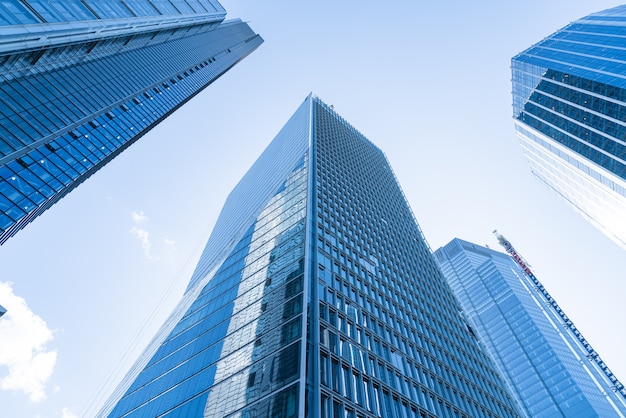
(569, 107)
(551, 369)
(81, 80)
(317, 296)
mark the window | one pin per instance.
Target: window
(61, 10)
(285, 403)
(12, 12)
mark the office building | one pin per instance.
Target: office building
(569, 107)
(2, 311)
(551, 369)
(81, 80)
(316, 296)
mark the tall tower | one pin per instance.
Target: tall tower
(316, 296)
(81, 80)
(569, 107)
(551, 369)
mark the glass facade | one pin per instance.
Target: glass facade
(548, 370)
(569, 107)
(75, 93)
(316, 296)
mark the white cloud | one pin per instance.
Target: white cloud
(142, 234)
(139, 217)
(169, 242)
(23, 351)
(144, 237)
(66, 413)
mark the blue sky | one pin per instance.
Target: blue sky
(91, 280)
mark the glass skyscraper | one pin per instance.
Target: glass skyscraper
(569, 107)
(316, 296)
(551, 370)
(81, 80)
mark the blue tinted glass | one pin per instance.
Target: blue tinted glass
(61, 10)
(67, 85)
(141, 7)
(380, 305)
(569, 103)
(109, 9)
(526, 335)
(13, 12)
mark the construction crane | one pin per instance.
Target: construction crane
(617, 386)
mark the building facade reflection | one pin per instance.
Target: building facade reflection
(316, 296)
